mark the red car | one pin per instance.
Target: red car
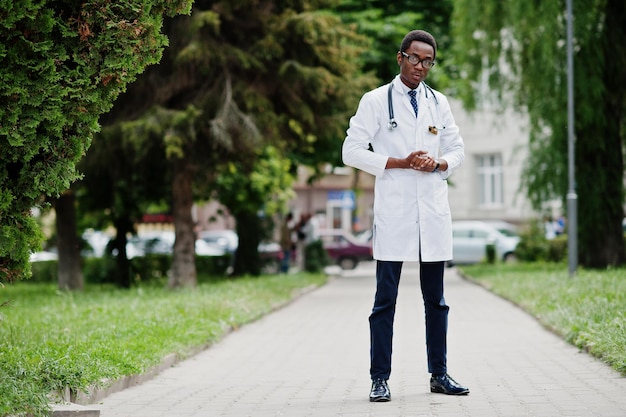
(344, 249)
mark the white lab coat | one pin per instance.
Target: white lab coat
(411, 208)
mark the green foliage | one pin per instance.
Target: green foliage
(534, 247)
(587, 309)
(519, 49)
(44, 272)
(235, 81)
(53, 340)
(259, 189)
(385, 23)
(152, 268)
(315, 257)
(491, 253)
(119, 185)
(266, 184)
(63, 65)
(557, 249)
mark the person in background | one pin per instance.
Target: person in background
(404, 134)
(560, 225)
(286, 242)
(550, 227)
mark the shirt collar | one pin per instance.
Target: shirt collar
(406, 89)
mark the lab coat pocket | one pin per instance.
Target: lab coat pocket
(442, 206)
(389, 199)
(431, 143)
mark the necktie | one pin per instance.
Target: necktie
(413, 101)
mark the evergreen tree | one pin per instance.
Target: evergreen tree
(239, 76)
(63, 64)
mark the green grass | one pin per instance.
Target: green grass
(53, 340)
(588, 309)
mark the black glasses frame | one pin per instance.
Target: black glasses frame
(414, 60)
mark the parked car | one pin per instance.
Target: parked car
(45, 255)
(364, 235)
(162, 242)
(227, 240)
(471, 237)
(144, 243)
(506, 228)
(344, 249)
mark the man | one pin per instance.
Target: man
(404, 134)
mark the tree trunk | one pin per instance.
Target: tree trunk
(247, 260)
(70, 275)
(600, 211)
(600, 167)
(123, 226)
(183, 273)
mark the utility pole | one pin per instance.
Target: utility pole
(572, 197)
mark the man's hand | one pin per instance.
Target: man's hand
(417, 160)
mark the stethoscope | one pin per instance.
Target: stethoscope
(392, 120)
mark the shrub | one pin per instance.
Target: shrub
(44, 271)
(490, 250)
(315, 257)
(533, 244)
(557, 249)
(150, 268)
(534, 247)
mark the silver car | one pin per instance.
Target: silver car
(470, 239)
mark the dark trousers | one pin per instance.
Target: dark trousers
(383, 312)
(286, 261)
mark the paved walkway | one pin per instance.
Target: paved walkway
(311, 359)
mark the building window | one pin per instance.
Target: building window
(490, 187)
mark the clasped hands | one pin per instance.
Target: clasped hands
(420, 161)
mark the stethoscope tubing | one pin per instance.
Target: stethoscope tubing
(392, 124)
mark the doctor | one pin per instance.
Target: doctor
(404, 134)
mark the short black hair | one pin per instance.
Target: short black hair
(418, 35)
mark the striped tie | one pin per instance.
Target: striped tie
(413, 101)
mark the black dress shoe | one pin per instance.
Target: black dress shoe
(380, 391)
(444, 384)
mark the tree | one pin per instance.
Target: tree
(63, 64)
(252, 191)
(70, 275)
(520, 47)
(385, 23)
(240, 76)
(121, 180)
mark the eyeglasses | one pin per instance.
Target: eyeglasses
(414, 60)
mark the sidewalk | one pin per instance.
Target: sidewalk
(311, 358)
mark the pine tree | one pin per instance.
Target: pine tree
(63, 65)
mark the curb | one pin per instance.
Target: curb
(73, 410)
(76, 404)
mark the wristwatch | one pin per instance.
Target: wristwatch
(436, 167)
